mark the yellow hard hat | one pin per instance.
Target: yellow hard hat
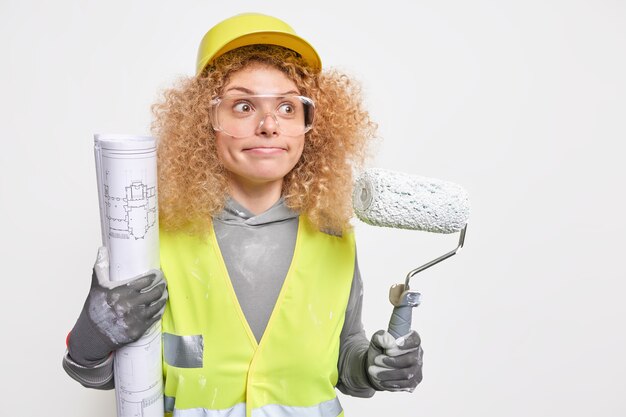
(252, 29)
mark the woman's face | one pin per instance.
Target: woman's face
(266, 155)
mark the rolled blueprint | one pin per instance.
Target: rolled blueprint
(127, 193)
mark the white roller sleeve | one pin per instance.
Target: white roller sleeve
(127, 192)
(392, 199)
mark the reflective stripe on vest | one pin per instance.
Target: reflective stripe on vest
(330, 408)
(213, 365)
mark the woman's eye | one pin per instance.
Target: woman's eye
(286, 109)
(242, 107)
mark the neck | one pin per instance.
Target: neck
(256, 197)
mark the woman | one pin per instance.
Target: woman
(256, 154)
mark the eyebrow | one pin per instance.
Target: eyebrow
(248, 91)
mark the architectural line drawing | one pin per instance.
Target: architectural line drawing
(133, 214)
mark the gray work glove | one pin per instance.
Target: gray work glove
(394, 364)
(115, 313)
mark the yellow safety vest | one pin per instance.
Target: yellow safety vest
(213, 365)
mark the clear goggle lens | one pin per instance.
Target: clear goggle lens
(240, 115)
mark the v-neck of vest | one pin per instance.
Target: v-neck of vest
(281, 294)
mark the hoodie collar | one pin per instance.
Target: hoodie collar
(235, 213)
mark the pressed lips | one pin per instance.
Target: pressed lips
(265, 150)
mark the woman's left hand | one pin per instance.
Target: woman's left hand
(394, 364)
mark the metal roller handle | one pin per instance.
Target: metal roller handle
(427, 265)
(404, 299)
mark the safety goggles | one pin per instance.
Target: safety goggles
(241, 115)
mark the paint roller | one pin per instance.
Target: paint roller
(393, 199)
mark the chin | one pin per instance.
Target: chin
(266, 172)
(262, 177)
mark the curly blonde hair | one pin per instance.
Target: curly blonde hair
(193, 183)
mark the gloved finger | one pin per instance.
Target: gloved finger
(155, 310)
(403, 374)
(399, 385)
(164, 299)
(380, 361)
(164, 295)
(149, 297)
(396, 362)
(376, 371)
(101, 266)
(383, 340)
(138, 282)
(142, 282)
(160, 279)
(154, 319)
(408, 343)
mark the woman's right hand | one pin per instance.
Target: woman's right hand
(115, 313)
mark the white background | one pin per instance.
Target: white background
(521, 102)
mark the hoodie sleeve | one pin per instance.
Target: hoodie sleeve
(354, 345)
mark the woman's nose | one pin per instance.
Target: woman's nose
(268, 125)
